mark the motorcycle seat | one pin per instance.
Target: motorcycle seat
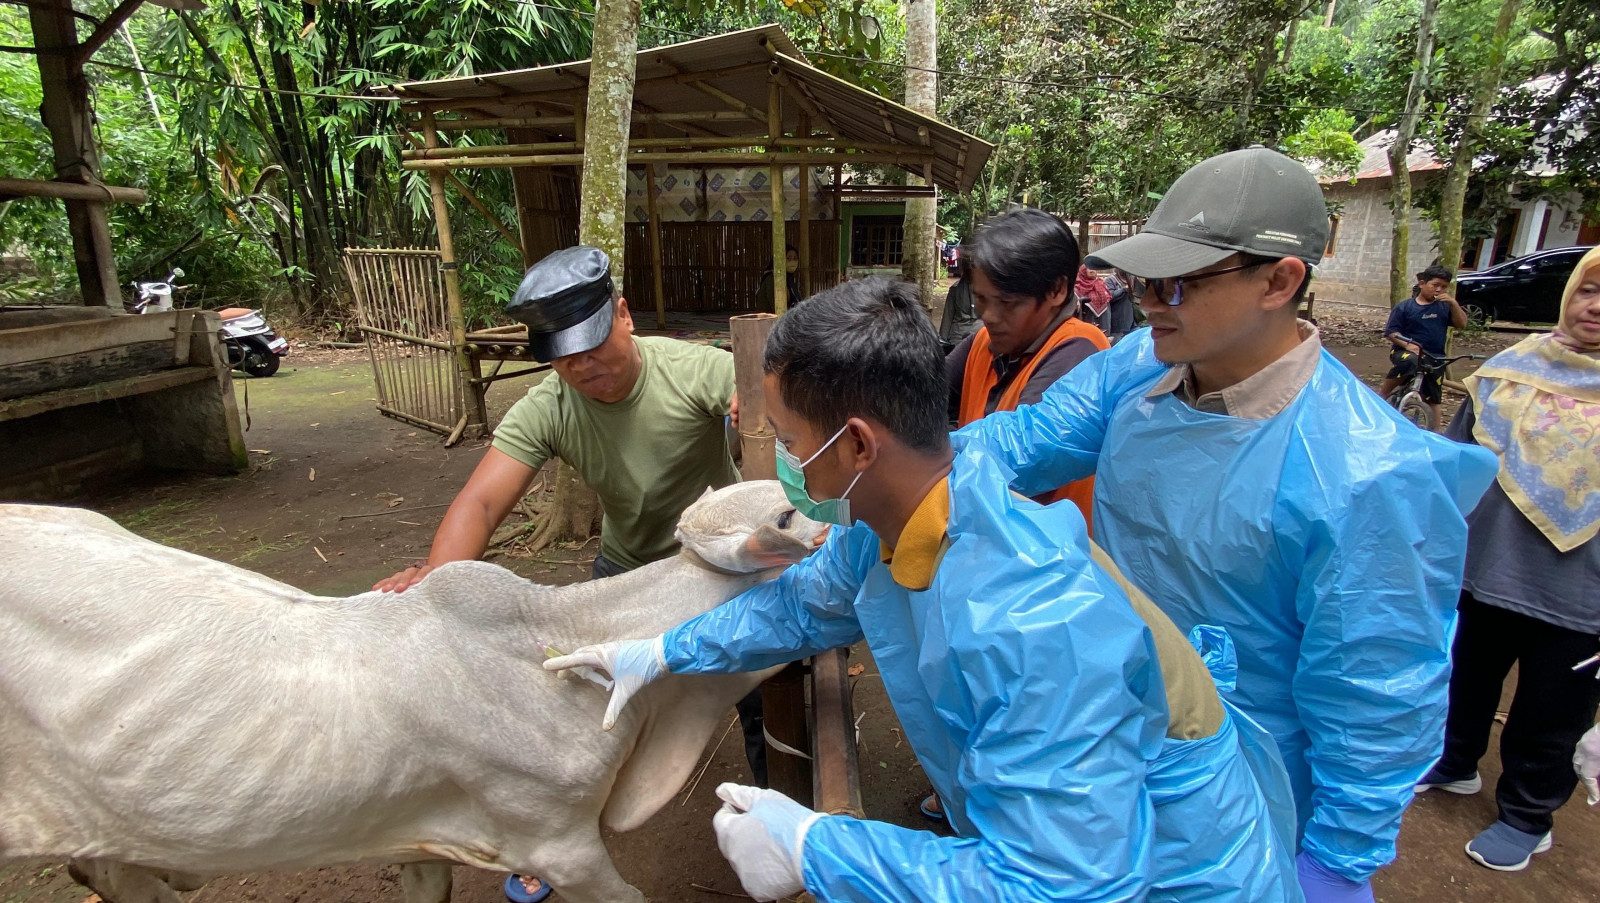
(234, 313)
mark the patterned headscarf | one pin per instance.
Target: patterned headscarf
(1538, 408)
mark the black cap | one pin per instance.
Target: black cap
(1255, 201)
(565, 300)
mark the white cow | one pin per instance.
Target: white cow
(165, 718)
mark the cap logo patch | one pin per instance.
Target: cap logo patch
(1197, 222)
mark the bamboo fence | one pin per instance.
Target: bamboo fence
(718, 267)
(401, 309)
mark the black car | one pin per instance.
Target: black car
(1527, 289)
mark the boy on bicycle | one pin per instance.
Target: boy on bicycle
(1417, 326)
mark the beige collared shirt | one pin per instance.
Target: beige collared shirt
(1258, 397)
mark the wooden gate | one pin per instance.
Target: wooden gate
(401, 309)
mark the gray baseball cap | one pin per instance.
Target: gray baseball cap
(1255, 201)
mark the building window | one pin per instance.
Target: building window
(1333, 235)
(877, 241)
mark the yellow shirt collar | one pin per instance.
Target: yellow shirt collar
(916, 556)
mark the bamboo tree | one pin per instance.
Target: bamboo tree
(1485, 89)
(1400, 173)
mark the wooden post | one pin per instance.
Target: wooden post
(655, 239)
(803, 242)
(66, 114)
(471, 393)
(782, 696)
(756, 440)
(780, 280)
(655, 246)
(838, 216)
(837, 772)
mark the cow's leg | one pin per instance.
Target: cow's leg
(583, 873)
(118, 882)
(183, 882)
(426, 882)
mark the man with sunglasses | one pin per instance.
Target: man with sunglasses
(1248, 480)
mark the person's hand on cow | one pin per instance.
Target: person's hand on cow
(762, 834)
(631, 663)
(404, 580)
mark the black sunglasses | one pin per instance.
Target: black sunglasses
(1169, 289)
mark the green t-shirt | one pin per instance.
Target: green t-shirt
(648, 456)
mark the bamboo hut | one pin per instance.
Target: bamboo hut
(737, 150)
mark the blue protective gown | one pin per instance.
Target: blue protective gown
(1328, 540)
(1032, 695)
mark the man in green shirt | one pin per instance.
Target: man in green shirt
(640, 419)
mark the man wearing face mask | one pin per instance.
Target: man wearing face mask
(640, 419)
(1247, 479)
(1077, 738)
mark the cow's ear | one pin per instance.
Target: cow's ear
(705, 494)
(771, 547)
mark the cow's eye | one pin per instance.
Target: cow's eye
(785, 518)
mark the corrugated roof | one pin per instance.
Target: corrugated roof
(729, 73)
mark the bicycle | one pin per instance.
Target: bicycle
(1408, 398)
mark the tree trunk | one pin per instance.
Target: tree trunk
(1400, 173)
(922, 94)
(1454, 195)
(571, 510)
(607, 119)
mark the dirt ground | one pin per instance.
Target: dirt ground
(338, 496)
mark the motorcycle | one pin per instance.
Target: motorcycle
(251, 344)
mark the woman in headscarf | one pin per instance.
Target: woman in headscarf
(1531, 595)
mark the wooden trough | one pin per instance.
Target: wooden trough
(86, 394)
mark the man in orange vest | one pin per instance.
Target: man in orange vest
(1024, 264)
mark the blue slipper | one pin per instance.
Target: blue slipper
(928, 812)
(516, 893)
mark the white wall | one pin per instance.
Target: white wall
(1358, 270)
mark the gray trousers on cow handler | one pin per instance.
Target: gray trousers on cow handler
(749, 708)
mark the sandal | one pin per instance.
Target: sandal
(516, 892)
(931, 808)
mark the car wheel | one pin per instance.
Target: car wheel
(1476, 315)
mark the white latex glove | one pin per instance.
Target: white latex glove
(762, 833)
(1586, 762)
(631, 664)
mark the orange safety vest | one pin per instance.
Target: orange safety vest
(979, 380)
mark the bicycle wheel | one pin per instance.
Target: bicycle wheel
(1414, 409)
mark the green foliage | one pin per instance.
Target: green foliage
(1325, 138)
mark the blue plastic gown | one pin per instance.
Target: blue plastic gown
(1328, 540)
(1031, 693)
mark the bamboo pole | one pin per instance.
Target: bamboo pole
(546, 122)
(76, 191)
(783, 695)
(476, 415)
(655, 245)
(684, 141)
(780, 279)
(803, 240)
(705, 157)
(838, 215)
